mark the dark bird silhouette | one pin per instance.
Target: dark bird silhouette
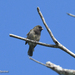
(34, 34)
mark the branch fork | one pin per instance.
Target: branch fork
(50, 65)
(57, 44)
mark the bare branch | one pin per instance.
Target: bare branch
(25, 39)
(59, 69)
(71, 14)
(37, 61)
(66, 50)
(56, 68)
(53, 38)
(44, 44)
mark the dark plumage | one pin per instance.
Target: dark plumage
(34, 34)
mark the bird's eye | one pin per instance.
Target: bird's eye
(39, 27)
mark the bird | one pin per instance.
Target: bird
(34, 34)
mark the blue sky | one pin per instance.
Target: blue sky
(18, 17)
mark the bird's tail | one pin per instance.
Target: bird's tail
(30, 51)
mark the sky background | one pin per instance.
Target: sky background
(19, 17)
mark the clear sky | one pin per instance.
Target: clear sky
(18, 17)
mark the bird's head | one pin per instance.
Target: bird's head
(38, 27)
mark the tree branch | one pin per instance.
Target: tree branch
(44, 44)
(56, 68)
(43, 20)
(25, 39)
(57, 44)
(53, 38)
(37, 61)
(70, 14)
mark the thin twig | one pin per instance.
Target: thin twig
(43, 20)
(25, 39)
(71, 14)
(37, 61)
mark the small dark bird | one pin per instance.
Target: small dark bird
(34, 34)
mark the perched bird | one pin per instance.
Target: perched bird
(34, 34)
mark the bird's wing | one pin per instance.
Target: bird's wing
(27, 35)
(29, 32)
